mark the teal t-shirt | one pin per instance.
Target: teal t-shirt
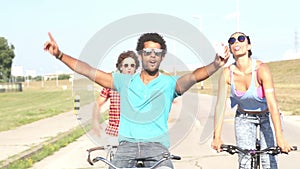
(145, 108)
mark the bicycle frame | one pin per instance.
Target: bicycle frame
(255, 159)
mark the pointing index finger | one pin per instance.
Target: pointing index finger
(51, 37)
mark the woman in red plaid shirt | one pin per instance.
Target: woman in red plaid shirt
(127, 63)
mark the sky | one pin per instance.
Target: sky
(273, 26)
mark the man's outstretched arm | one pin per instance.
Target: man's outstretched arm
(102, 78)
(186, 81)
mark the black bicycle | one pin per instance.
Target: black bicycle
(254, 154)
(139, 162)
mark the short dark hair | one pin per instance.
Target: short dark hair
(248, 39)
(125, 55)
(154, 37)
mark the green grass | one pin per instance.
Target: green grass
(34, 103)
(38, 102)
(21, 108)
(286, 76)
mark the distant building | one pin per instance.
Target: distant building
(19, 71)
(55, 76)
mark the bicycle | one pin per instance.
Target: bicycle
(255, 154)
(139, 162)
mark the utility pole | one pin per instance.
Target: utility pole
(237, 15)
(296, 41)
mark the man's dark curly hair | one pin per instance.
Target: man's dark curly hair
(154, 37)
(125, 55)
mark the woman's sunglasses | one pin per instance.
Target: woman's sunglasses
(131, 65)
(241, 38)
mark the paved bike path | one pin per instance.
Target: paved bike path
(195, 154)
(14, 142)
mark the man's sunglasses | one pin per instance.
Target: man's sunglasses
(157, 52)
(241, 38)
(126, 65)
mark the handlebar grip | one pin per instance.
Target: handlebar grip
(295, 148)
(176, 157)
(95, 148)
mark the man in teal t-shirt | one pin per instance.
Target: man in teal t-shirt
(145, 107)
(146, 98)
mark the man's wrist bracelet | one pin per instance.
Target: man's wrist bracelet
(59, 56)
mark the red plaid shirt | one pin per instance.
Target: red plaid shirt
(114, 111)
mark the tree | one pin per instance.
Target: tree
(63, 76)
(6, 57)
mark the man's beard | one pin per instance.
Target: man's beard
(151, 73)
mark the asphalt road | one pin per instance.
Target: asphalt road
(190, 133)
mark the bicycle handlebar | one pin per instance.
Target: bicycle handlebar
(97, 148)
(165, 156)
(232, 149)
